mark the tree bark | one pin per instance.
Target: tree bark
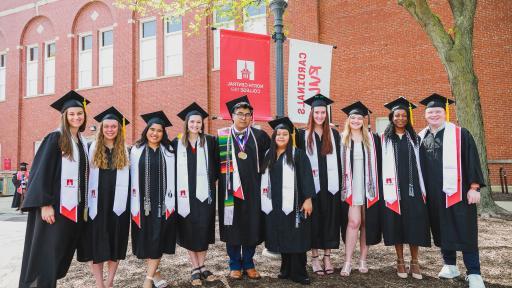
(456, 54)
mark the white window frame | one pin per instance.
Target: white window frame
(32, 65)
(147, 41)
(249, 21)
(173, 49)
(49, 69)
(228, 25)
(380, 124)
(3, 77)
(105, 61)
(82, 62)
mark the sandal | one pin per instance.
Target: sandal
(363, 267)
(196, 277)
(401, 263)
(347, 268)
(319, 272)
(206, 274)
(327, 271)
(415, 275)
(161, 283)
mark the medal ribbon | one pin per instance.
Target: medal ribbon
(241, 143)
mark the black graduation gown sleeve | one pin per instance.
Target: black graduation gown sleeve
(44, 181)
(471, 159)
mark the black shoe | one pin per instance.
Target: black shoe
(283, 276)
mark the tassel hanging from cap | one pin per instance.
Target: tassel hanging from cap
(123, 129)
(85, 104)
(410, 114)
(293, 138)
(447, 110)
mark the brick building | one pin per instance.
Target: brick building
(143, 63)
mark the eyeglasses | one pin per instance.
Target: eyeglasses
(242, 115)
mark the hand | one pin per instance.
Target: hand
(307, 207)
(473, 196)
(48, 214)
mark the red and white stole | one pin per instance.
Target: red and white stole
(22, 176)
(452, 163)
(370, 165)
(121, 190)
(389, 174)
(287, 189)
(333, 184)
(135, 205)
(69, 186)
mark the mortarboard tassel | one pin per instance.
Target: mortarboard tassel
(447, 110)
(123, 129)
(410, 113)
(85, 104)
(293, 138)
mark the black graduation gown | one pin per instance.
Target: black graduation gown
(327, 216)
(49, 249)
(281, 235)
(247, 228)
(16, 198)
(196, 231)
(107, 234)
(453, 228)
(412, 226)
(156, 235)
(372, 220)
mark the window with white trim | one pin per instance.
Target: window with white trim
(147, 55)
(380, 124)
(32, 67)
(49, 68)
(220, 22)
(256, 19)
(173, 47)
(3, 59)
(106, 57)
(85, 61)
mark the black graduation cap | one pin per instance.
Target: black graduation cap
(400, 103)
(318, 100)
(192, 109)
(436, 100)
(356, 108)
(111, 114)
(71, 99)
(231, 104)
(157, 117)
(282, 123)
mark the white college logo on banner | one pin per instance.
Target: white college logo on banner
(244, 70)
(309, 73)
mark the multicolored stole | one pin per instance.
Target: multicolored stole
(452, 162)
(22, 176)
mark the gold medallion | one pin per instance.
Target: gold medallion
(242, 155)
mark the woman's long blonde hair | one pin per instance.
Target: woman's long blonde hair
(347, 134)
(65, 140)
(119, 157)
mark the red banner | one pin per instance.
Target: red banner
(245, 70)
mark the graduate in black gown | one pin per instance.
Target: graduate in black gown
(196, 171)
(321, 144)
(405, 216)
(361, 186)
(287, 187)
(152, 201)
(19, 180)
(56, 198)
(108, 193)
(451, 203)
(241, 152)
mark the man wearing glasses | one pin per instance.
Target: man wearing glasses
(241, 151)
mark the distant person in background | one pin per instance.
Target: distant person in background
(20, 180)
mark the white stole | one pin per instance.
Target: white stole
(389, 174)
(333, 184)
(288, 189)
(452, 163)
(135, 204)
(202, 187)
(370, 184)
(121, 190)
(69, 186)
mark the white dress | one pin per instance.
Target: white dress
(358, 187)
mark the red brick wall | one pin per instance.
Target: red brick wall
(382, 53)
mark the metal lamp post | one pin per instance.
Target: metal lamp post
(278, 7)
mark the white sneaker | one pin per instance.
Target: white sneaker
(270, 254)
(449, 272)
(475, 281)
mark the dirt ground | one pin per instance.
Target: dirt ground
(495, 238)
